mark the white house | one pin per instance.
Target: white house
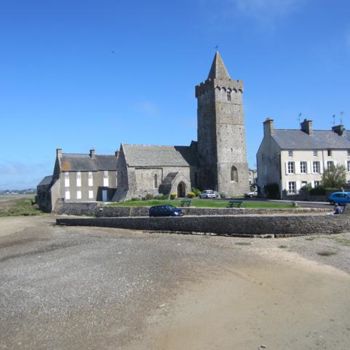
(293, 158)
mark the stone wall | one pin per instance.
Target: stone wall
(238, 225)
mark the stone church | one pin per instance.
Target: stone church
(217, 160)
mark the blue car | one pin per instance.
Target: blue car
(165, 210)
(339, 197)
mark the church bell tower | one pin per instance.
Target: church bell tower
(221, 135)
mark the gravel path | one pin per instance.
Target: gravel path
(99, 288)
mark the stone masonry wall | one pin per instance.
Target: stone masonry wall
(238, 225)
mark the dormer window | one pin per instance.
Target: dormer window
(290, 153)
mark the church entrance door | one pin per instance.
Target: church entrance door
(181, 190)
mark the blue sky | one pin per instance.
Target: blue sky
(95, 73)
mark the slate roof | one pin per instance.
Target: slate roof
(319, 139)
(83, 162)
(159, 156)
(46, 181)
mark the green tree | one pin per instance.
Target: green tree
(334, 176)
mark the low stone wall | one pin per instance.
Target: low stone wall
(236, 225)
(99, 210)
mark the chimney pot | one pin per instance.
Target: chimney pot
(268, 127)
(92, 153)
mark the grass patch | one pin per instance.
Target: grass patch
(19, 207)
(326, 253)
(201, 203)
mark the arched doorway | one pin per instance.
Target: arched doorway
(181, 189)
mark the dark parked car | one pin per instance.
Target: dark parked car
(339, 197)
(165, 210)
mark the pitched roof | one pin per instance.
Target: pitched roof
(83, 162)
(153, 156)
(218, 69)
(319, 139)
(46, 181)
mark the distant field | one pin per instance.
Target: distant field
(201, 203)
(18, 205)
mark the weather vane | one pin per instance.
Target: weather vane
(341, 117)
(299, 116)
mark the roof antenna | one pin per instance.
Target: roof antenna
(341, 118)
(333, 116)
(299, 117)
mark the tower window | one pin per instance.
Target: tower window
(228, 95)
(234, 174)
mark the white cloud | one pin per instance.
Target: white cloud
(265, 12)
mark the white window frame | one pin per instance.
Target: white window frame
(316, 167)
(303, 167)
(292, 187)
(291, 167)
(67, 195)
(66, 179)
(105, 178)
(78, 194)
(91, 194)
(330, 163)
(78, 178)
(90, 179)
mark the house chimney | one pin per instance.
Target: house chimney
(306, 126)
(58, 152)
(268, 127)
(338, 129)
(92, 153)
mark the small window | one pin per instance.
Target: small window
(348, 165)
(91, 194)
(315, 153)
(105, 178)
(290, 153)
(316, 183)
(78, 179)
(155, 181)
(90, 179)
(66, 179)
(291, 168)
(228, 95)
(303, 167)
(78, 194)
(330, 164)
(348, 152)
(316, 167)
(67, 195)
(234, 174)
(291, 187)
(329, 153)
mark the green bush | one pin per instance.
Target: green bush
(191, 195)
(172, 195)
(272, 190)
(148, 196)
(196, 191)
(222, 195)
(318, 191)
(161, 197)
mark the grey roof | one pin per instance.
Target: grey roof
(83, 162)
(46, 181)
(218, 69)
(153, 156)
(319, 139)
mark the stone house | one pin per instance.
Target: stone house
(293, 158)
(78, 178)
